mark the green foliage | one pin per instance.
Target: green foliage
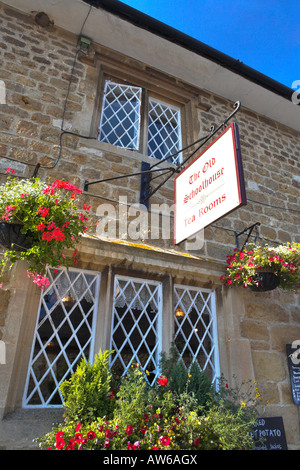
(144, 417)
(131, 397)
(192, 387)
(200, 385)
(233, 428)
(87, 394)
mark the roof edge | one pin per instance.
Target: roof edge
(169, 33)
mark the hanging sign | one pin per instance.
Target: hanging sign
(211, 186)
(293, 351)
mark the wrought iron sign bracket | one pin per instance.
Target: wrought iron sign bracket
(249, 230)
(147, 171)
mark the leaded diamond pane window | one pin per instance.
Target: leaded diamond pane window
(120, 118)
(64, 334)
(136, 326)
(164, 133)
(195, 329)
(131, 118)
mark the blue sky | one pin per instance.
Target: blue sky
(263, 34)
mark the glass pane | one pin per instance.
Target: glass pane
(120, 117)
(164, 132)
(194, 329)
(136, 326)
(63, 334)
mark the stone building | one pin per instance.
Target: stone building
(95, 90)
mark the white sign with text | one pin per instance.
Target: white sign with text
(209, 187)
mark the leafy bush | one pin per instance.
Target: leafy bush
(144, 417)
(190, 386)
(87, 394)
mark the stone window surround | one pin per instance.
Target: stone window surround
(108, 64)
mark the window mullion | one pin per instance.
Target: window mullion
(143, 146)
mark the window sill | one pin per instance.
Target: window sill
(98, 148)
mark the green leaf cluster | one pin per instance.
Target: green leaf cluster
(87, 393)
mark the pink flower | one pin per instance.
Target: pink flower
(41, 281)
(196, 441)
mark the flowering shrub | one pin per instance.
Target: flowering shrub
(144, 417)
(284, 261)
(49, 217)
(155, 433)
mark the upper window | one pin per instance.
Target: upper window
(129, 113)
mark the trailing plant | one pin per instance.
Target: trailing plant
(50, 219)
(283, 260)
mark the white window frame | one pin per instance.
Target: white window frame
(174, 109)
(141, 140)
(51, 365)
(111, 136)
(158, 328)
(210, 306)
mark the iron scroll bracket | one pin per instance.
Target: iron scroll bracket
(249, 230)
(149, 170)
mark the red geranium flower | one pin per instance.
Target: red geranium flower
(59, 443)
(43, 211)
(165, 440)
(78, 438)
(143, 429)
(91, 435)
(129, 430)
(78, 427)
(162, 381)
(131, 446)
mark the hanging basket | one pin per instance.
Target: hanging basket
(12, 238)
(264, 281)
